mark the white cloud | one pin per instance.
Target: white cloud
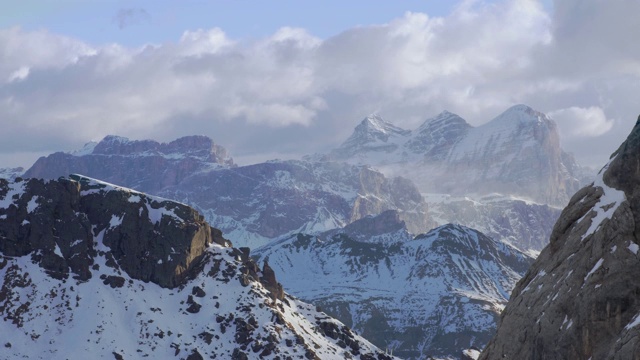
(307, 93)
(582, 122)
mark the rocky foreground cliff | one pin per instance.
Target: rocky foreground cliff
(92, 270)
(581, 298)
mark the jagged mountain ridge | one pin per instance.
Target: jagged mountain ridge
(253, 204)
(93, 270)
(434, 294)
(580, 299)
(264, 201)
(517, 153)
(144, 165)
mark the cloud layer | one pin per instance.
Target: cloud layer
(292, 93)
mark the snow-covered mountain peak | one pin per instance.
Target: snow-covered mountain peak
(522, 115)
(517, 153)
(434, 139)
(444, 119)
(434, 294)
(374, 128)
(375, 124)
(373, 133)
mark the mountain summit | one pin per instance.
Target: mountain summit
(373, 134)
(517, 153)
(581, 297)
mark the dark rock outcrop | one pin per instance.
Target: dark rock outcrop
(56, 221)
(581, 298)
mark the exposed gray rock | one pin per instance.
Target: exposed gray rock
(257, 203)
(523, 224)
(144, 165)
(581, 297)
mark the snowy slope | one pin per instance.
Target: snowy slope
(434, 294)
(67, 291)
(11, 173)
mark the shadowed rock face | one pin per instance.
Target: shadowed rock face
(581, 298)
(56, 222)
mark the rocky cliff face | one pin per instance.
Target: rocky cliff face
(581, 298)
(145, 165)
(256, 203)
(518, 222)
(93, 270)
(435, 294)
(517, 153)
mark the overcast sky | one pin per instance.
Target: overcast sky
(279, 79)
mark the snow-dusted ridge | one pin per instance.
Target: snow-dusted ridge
(92, 287)
(433, 294)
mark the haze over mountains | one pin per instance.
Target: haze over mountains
(420, 264)
(518, 153)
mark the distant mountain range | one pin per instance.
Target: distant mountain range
(419, 269)
(252, 204)
(518, 153)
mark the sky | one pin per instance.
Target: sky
(281, 79)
